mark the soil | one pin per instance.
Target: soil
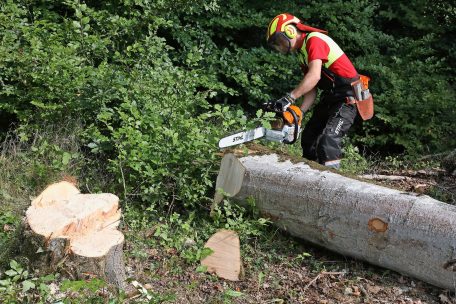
(323, 278)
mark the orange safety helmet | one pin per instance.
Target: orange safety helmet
(280, 30)
(283, 28)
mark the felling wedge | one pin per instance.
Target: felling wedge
(77, 232)
(412, 234)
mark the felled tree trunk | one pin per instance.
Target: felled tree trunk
(75, 233)
(412, 234)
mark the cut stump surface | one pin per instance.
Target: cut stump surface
(64, 228)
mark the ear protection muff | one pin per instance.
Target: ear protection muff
(290, 31)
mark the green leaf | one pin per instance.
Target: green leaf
(27, 285)
(260, 278)
(233, 293)
(66, 158)
(85, 20)
(76, 24)
(14, 265)
(44, 288)
(11, 273)
(201, 269)
(48, 278)
(206, 251)
(72, 285)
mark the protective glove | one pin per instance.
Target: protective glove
(280, 105)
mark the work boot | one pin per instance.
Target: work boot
(335, 164)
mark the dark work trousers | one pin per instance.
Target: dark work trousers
(322, 136)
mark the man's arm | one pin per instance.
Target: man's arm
(309, 99)
(310, 80)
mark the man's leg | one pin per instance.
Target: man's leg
(341, 118)
(312, 131)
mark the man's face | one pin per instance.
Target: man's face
(281, 43)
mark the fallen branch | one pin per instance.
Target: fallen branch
(437, 156)
(385, 177)
(323, 273)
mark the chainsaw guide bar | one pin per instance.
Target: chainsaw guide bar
(242, 137)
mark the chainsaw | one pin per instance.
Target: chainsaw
(289, 122)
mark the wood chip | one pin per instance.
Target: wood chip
(225, 261)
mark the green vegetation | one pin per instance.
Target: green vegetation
(131, 97)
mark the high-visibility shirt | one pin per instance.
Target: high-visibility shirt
(320, 46)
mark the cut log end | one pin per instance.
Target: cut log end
(64, 225)
(229, 181)
(225, 261)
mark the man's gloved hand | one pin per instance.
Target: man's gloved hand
(280, 105)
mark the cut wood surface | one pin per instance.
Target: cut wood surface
(409, 233)
(225, 261)
(66, 228)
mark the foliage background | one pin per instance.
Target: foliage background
(131, 97)
(150, 86)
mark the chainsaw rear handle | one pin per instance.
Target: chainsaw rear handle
(296, 127)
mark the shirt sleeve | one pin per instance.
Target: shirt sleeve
(317, 49)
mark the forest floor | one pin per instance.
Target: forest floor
(277, 267)
(288, 270)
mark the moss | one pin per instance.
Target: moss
(251, 149)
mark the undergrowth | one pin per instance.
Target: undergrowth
(160, 241)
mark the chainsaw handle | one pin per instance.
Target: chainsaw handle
(296, 130)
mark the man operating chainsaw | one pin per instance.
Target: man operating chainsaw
(326, 67)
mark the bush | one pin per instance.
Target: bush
(155, 84)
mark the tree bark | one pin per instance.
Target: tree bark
(75, 233)
(409, 233)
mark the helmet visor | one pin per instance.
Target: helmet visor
(279, 42)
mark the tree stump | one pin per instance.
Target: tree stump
(75, 233)
(406, 232)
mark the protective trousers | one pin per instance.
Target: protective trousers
(322, 136)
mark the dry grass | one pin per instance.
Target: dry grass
(14, 192)
(26, 164)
